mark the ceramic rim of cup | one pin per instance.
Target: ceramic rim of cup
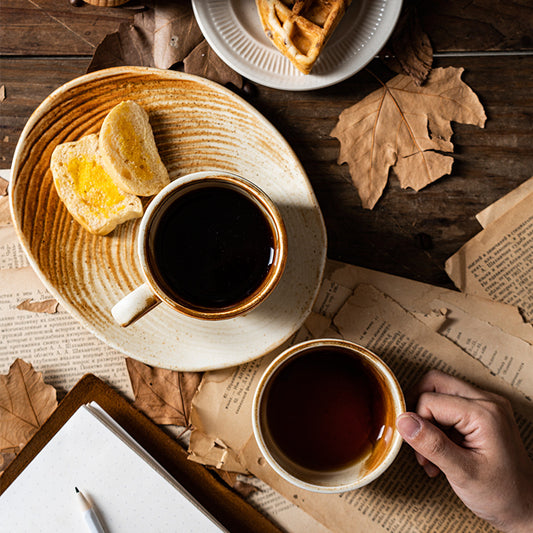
(271, 214)
(392, 385)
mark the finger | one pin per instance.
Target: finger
(430, 469)
(461, 414)
(432, 444)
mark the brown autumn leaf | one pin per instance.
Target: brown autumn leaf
(164, 35)
(45, 306)
(404, 126)
(5, 213)
(409, 50)
(26, 401)
(6, 457)
(163, 395)
(4, 186)
(203, 61)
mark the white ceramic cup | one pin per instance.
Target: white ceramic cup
(376, 455)
(152, 292)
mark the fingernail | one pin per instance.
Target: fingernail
(408, 425)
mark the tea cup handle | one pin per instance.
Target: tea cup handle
(134, 305)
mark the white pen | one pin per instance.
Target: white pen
(89, 514)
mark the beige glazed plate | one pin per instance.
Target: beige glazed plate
(198, 125)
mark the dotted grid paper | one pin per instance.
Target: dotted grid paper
(132, 492)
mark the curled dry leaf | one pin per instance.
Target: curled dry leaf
(162, 36)
(163, 395)
(4, 186)
(409, 49)
(6, 458)
(45, 306)
(202, 61)
(391, 128)
(26, 401)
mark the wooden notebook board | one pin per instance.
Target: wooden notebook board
(226, 506)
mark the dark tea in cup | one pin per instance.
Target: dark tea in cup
(324, 415)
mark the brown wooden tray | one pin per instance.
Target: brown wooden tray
(226, 506)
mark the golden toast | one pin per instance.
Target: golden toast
(88, 192)
(301, 28)
(129, 153)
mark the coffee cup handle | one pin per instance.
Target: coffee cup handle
(134, 305)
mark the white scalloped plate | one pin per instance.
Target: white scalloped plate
(198, 125)
(233, 29)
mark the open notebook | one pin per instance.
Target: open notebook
(131, 491)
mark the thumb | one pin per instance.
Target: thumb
(431, 444)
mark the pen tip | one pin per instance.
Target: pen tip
(76, 489)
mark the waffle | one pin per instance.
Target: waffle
(301, 28)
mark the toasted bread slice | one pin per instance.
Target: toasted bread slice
(129, 152)
(301, 28)
(87, 190)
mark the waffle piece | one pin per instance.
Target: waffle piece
(301, 28)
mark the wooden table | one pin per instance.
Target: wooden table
(44, 43)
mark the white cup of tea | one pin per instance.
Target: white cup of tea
(324, 415)
(211, 245)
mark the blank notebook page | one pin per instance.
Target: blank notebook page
(132, 492)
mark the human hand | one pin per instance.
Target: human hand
(471, 436)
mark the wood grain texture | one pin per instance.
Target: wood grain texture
(52, 27)
(478, 25)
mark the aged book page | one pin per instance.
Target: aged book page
(59, 347)
(496, 263)
(404, 499)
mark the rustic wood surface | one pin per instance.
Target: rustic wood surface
(44, 43)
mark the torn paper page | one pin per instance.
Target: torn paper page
(341, 278)
(496, 263)
(504, 355)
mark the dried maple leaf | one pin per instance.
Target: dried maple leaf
(26, 401)
(391, 128)
(163, 395)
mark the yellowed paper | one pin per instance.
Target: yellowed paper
(341, 279)
(504, 204)
(58, 345)
(281, 511)
(496, 263)
(11, 252)
(504, 355)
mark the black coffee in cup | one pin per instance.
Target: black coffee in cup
(211, 247)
